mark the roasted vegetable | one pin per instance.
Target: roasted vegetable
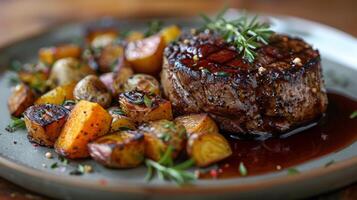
(100, 34)
(103, 40)
(161, 134)
(49, 55)
(141, 107)
(57, 95)
(195, 123)
(44, 123)
(68, 70)
(87, 122)
(121, 74)
(144, 83)
(34, 79)
(170, 33)
(20, 99)
(120, 121)
(92, 89)
(123, 149)
(145, 56)
(207, 148)
(134, 36)
(108, 57)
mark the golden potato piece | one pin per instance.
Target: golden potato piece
(123, 149)
(145, 56)
(87, 122)
(195, 123)
(170, 33)
(134, 36)
(49, 55)
(68, 70)
(57, 95)
(92, 89)
(161, 134)
(207, 148)
(44, 123)
(143, 82)
(120, 121)
(20, 99)
(140, 107)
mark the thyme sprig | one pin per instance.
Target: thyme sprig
(246, 35)
(154, 27)
(15, 124)
(166, 170)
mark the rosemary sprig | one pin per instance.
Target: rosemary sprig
(15, 124)
(154, 27)
(246, 35)
(166, 170)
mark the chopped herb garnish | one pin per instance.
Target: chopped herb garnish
(246, 35)
(78, 171)
(222, 74)
(154, 27)
(15, 124)
(68, 102)
(124, 128)
(54, 165)
(329, 163)
(205, 70)
(118, 111)
(166, 170)
(15, 66)
(242, 169)
(63, 160)
(147, 101)
(293, 171)
(353, 114)
(166, 137)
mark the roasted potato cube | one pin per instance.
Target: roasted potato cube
(140, 107)
(57, 95)
(44, 123)
(68, 70)
(100, 34)
(92, 89)
(120, 121)
(108, 57)
(49, 55)
(86, 122)
(145, 56)
(170, 33)
(123, 149)
(142, 82)
(195, 123)
(207, 148)
(20, 99)
(121, 74)
(134, 36)
(161, 134)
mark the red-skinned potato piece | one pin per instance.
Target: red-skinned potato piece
(145, 56)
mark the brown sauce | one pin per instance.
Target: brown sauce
(330, 134)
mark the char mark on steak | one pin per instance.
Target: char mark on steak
(282, 89)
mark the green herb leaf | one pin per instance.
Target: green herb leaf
(154, 27)
(118, 111)
(293, 171)
(329, 163)
(147, 101)
(221, 74)
(242, 169)
(353, 114)
(54, 165)
(63, 160)
(68, 102)
(246, 35)
(15, 124)
(78, 171)
(124, 128)
(166, 170)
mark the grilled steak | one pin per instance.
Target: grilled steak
(281, 90)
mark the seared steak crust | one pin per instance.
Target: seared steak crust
(282, 89)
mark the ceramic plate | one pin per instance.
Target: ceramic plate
(22, 163)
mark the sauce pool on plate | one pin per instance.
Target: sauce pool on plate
(331, 133)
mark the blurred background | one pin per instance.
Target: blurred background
(22, 18)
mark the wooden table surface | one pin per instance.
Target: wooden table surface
(20, 19)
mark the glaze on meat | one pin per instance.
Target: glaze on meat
(282, 89)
